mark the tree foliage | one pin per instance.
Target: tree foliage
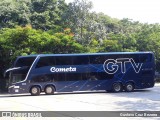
(46, 14)
(25, 40)
(41, 14)
(52, 26)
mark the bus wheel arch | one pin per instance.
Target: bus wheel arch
(129, 86)
(35, 90)
(49, 89)
(117, 87)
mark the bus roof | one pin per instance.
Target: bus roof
(79, 54)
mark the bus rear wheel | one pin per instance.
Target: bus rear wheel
(35, 90)
(117, 87)
(49, 90)
(129, 87)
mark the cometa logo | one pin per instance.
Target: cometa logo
(70, 69)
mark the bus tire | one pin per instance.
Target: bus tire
(49, 90)
(129, 87)
(117, 87)
(35, 90)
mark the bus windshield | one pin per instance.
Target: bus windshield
(20, 69)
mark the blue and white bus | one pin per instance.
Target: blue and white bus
(113, 71)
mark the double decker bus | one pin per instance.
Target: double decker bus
(113, 71)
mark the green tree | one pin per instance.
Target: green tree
(25, 40)
(46, 14)
(41, 14)
(14, 13)
(110, 46)
(76, 17)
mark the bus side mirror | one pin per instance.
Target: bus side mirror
(6, 73)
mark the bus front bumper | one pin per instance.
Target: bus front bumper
(16, 90)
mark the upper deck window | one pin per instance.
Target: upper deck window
(26, 61)
(62, 60)
(46, 61)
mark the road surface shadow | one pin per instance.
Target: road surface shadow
(72, 93)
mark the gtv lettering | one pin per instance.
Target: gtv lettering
(111, 66)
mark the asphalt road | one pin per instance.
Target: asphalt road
(140, 100)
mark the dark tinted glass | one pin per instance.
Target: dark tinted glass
(135, 57)
(43, 78)
(80, 60)
(97, 59)
(139, 58)
(45, 61)
(63, 60)
(73, 76)
(26, 61)
(145, 58)
(101, 76)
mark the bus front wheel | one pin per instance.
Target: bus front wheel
(35, 90)
(129, 87)
(49, 90)
(117, 87)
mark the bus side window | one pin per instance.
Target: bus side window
(135, 57)
(45, 61)
(145, 58)
(63, 60)
(80, 60)
(24, 62)
(95, 59)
